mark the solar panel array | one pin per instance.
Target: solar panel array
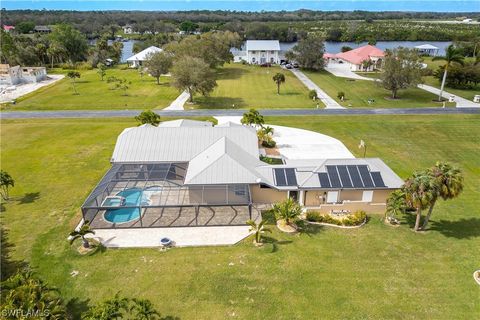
(285, 177)
(351, 176)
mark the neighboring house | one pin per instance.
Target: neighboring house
(127, 29)
(138, 59)
(262, 51)
(42, 29)
(8, 28)
(190, 173)
(366, 58)
(18, 75)
(427, 49)
(467, 20)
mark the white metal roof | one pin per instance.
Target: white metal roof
(162, 144)
(426, 46)
(224, 162)
(185, 123)
(143, 55)
(260, 45)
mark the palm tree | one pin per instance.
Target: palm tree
(420, 191)
(253, 117)
(268, 130)
(143, 309)
(81, 233)
(287, 210)
(449, 184)
(452, 55)
(279, 78)
(395, 204)
(259, 229)
(6, 181)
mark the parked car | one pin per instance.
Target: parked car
(288, 66)
(295, 65)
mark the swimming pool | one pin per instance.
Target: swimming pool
(133, 197)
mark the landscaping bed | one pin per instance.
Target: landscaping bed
(355, 219)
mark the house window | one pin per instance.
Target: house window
(254, 52)
(367, 196)
(240, 190)
(272, 60)
(272, 52)
(253, 60)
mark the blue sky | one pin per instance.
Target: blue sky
(249, 5)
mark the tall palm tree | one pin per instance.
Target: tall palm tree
(452, 55)
(84, 230)
(449, 184)
(143, 309)
(420, 190)
(259, 229)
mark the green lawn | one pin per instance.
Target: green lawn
(358, 92)
(464, 93)
(143, 93)
(376, 272)
(247, 86)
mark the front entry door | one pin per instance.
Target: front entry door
(293, 195)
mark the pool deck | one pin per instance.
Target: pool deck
(181, 236)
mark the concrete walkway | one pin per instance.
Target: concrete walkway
(181, 236)
(178, 103)
(461, 102)
(328, 101)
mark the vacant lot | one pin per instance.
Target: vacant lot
(376, 272)
(358, 92)
(245, 86)
(143, 93)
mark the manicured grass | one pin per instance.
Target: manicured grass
(143, 93)
(464, 93)
(358, 92)
(376, 272)
(248, 86)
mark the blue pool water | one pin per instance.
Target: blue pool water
(133, 197)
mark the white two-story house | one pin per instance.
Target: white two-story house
(262, 51)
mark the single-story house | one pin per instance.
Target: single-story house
(356, 58)
(127, 29)
(191, 173)
(8, 28)
(42, 29)
(427, 49)
(137, 60)
(262, 51)
(18, 75)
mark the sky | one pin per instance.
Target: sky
(248, 5)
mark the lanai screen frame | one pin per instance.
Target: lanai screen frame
(170, 173)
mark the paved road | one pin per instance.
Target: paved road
(328, 101)
(233, 112)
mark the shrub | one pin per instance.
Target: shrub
(67, 66)
(312, 94)
(341, 95)
(83, 66)
(355, 219)
(269, 143)
(426, 72)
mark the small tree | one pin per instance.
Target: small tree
(81, 233)
(73, 75)
(287, 210)
(123, 84)
(193, 75)
(258, 229)
(158, 63)
(312, 94)
(148, 117)
(6, 181)
(402, 69)
(341, 95)
(253, 117)
(309, 52)
(395, 204)
(102, 70)
(279, 78)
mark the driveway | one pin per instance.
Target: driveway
(294, 143)
(178, 103)
(343, 70)
(461, 102)
(328, 101)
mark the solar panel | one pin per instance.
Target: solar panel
(333, 175)
(365, 174)
(324, 181)
(280, 177)
(291, 177)
(377, 179)
(355, 176)
(344, 177)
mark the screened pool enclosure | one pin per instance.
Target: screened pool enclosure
(154, 195)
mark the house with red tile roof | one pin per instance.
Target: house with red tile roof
(366, 58)
(8, 28)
